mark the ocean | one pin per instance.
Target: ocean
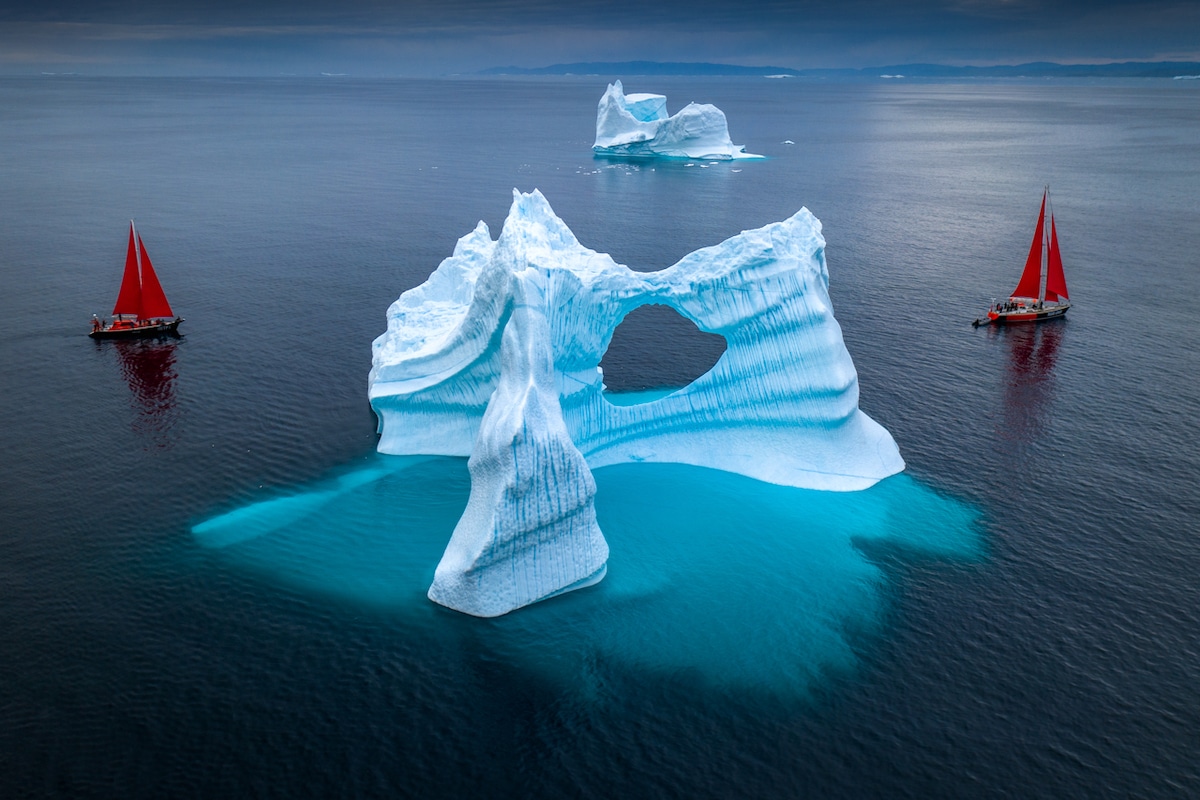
(211, 585)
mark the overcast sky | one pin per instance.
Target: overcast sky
(432, 37)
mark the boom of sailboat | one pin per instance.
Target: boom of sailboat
(1034, 300)
(142, 309)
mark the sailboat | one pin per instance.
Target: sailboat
(1033, 301)
(142, 308)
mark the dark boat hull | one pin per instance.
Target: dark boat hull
(138, 331)
(1023, 315)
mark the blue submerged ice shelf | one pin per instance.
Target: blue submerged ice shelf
(741, 582)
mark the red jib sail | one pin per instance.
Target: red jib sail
(1031, 277)
(1056, 281)
(129, 299)
(154, 300)
(141, 294)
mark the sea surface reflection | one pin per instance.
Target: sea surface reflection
(148, 367)
(1029, 385)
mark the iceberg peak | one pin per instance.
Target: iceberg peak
(533, 231)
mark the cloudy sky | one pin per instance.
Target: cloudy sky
(432, 37)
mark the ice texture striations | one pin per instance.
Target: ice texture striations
(529, 528)
(496, 356)
(637, 126)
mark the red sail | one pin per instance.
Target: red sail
(1031, 277)
(1056, 281)
(154, 301)
(129, 299)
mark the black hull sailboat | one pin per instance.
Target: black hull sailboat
(142, 309)
(137, 329)
(1033, 300)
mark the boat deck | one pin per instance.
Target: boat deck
(1009, 313)
(129, 329)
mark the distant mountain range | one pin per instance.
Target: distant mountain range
(1040, 69)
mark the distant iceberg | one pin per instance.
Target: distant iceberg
(637, 126)
(496, 356)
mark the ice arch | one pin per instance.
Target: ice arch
(496, 356)
(655, 347)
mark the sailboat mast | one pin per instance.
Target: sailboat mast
(1042, 267)
(1045, 248)
(138, 249)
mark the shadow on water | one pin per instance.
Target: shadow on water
(733, 582)
(148, 366)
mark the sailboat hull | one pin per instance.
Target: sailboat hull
(1023, 315)
(138, 331)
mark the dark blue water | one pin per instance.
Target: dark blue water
(1017, 615)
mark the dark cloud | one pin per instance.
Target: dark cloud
(389, 37)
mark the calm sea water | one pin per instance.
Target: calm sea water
(210, 585)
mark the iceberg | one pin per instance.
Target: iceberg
(637, 126)
(496, 357)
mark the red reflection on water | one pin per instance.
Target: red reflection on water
(1029, 380)
(148, 366)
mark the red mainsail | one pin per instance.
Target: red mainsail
(129, 299)
(141, 294)
(1056, 280)
(1031, 278)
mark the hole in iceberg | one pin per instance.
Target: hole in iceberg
(654, 351)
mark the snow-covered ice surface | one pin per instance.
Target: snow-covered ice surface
(497, 355)
(637, 126)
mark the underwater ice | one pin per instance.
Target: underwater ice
(496, 356)
(637, 125)
(369, 533)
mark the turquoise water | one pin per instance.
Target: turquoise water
(634, 398)
(740, 583)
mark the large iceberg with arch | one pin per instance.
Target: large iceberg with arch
(496, 357)
(637, 126)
